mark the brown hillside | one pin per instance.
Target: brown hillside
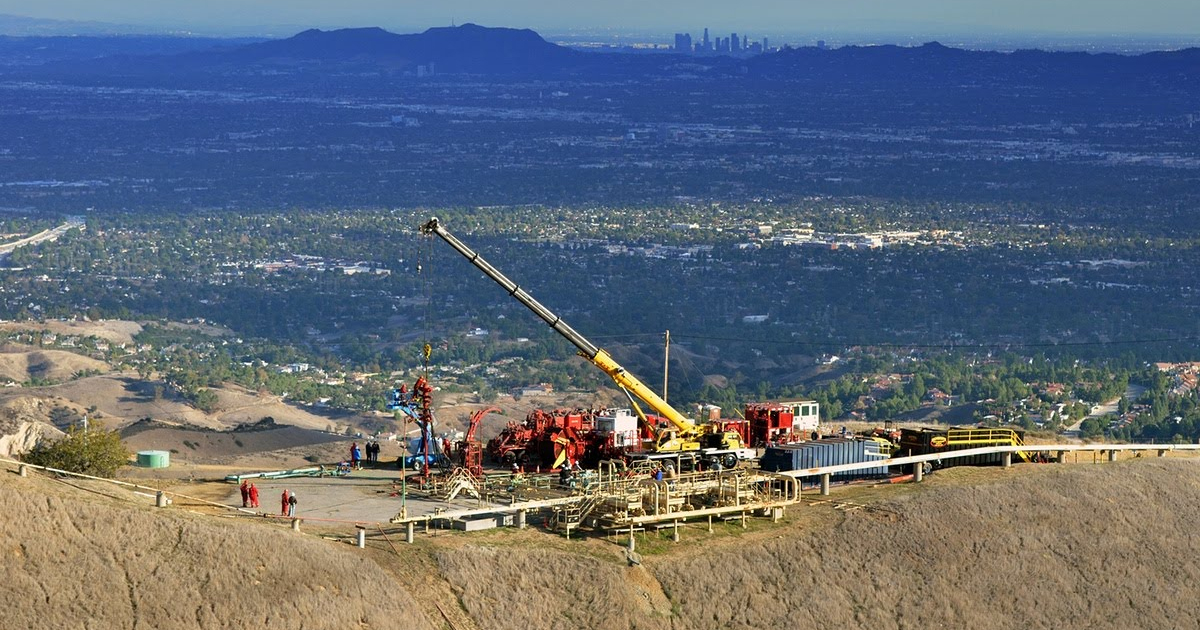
(1066, 547)
(122, 399)
(1038, 546)
(114, 330)
(19, 364)
(201, 446)
(74, 560)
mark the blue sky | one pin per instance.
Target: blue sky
(1105, 17)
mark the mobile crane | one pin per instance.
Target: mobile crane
(684, 435)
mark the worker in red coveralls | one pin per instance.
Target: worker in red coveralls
(283, 505)
(245, 494)
(253, 496)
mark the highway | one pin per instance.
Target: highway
(43, 236)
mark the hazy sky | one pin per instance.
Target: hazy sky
(754, 16)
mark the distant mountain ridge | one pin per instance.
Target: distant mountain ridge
(466, 48)
(935, 63)
(474, 49)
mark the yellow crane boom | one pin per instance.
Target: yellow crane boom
(587, 349)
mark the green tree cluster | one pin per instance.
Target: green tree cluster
(92, 451)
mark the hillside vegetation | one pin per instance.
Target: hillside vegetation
(1070, 546)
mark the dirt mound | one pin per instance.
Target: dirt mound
(21, 364)
(122, 567)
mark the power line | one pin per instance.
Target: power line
(953, 346)
(948, 346)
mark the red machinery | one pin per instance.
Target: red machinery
(545, 438)
(559, 436)
(509, 447)
(470, 449)
(769, 422)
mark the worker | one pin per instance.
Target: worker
(658, 474)
(564, 476)
(355, 455)
(245, 493)
(283, 505)
(291, 502)
(253, 495)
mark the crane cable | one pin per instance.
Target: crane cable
(424, 257)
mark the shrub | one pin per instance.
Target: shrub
(93, 451)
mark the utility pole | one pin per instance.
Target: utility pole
(666, 364)
(403, 467)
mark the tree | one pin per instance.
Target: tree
(92, 451)
(1091, 428)
(205, 400)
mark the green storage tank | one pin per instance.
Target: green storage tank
(154, 459)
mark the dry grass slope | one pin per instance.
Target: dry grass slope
(514, 588)
(75, 562)
(1053, 547)
(114, 330)
(1073, 546)
(1069, 547)
(122, 399)
(19, 364)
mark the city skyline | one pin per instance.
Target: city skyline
(765, 17)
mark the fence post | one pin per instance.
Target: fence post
(362, 537)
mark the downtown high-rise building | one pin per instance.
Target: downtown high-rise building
(733, 45)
